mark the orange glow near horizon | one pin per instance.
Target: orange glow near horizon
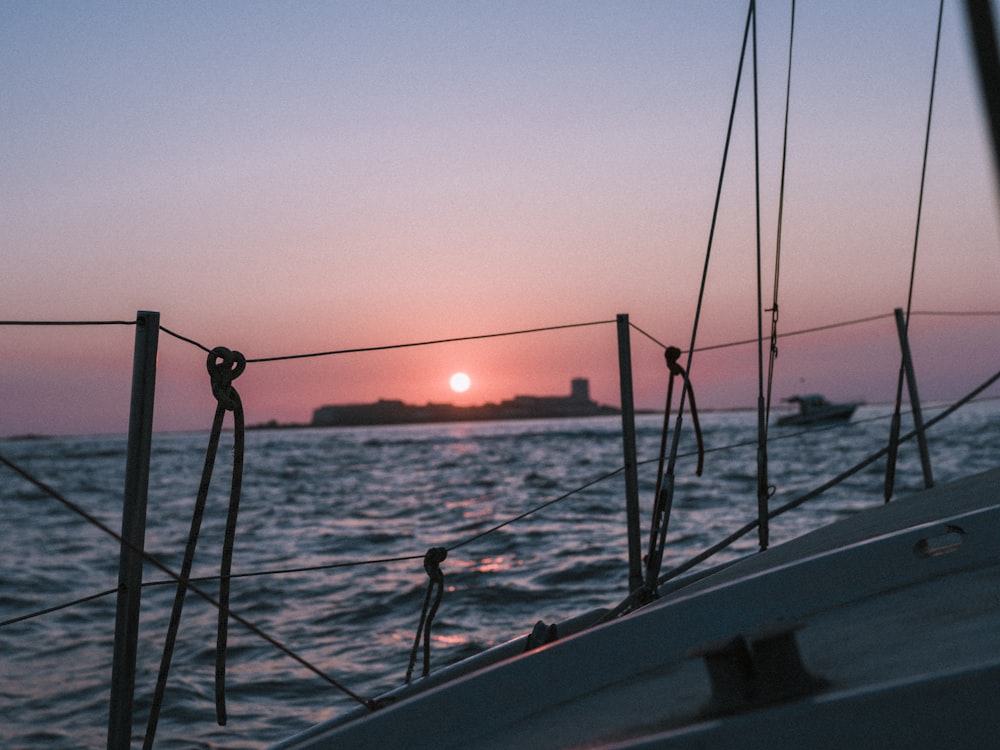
(839, 363)
(565, 174)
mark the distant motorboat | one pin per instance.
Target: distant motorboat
(815, 409)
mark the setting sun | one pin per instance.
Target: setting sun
(460, 382)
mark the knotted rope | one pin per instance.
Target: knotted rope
(672, 355)
(664, 496)
(224, 366)
(432, 564)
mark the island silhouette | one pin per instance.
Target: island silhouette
(391, 411)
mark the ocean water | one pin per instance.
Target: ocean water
(361, 499)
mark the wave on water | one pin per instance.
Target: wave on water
(319, 505)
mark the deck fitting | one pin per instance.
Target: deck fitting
(540, 635)
(767, 669)
(731, 672)
(941, 544)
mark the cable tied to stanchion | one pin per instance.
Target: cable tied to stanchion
(664, 493)
(224, 366)
(432, 564)
(672, 355)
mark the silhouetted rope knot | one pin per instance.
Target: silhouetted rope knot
(664, 497)
(672, 355)
(432, 564)
(224, 366)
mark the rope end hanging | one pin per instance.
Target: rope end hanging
(224, 366)
(432, 564)
(672, 354)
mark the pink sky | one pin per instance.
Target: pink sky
(288, 179)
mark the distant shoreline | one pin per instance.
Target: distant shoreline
(276, 425)
(392, 411)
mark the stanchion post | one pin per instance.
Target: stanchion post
(635, 578)
(140, 432)
(911, 384)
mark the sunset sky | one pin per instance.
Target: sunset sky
(282, 178)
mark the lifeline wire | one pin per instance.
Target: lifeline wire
(175, 577)
(228, 576)
(408, 558)
(407, 345)
(832, 326)
(646, 334)
(827, 485)
(711, 347)
(67, 322)
(435, 586)
(636, 598)
(626, 605)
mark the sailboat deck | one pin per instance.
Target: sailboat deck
(896, 609)
(929, 506)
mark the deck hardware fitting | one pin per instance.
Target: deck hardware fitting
(941, 544)
(765, 670)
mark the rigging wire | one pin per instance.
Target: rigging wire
(812, 494)
(405, 558)
(691, 350)
(890, 469)
(718, 194)
(176, 578)
(635, 598)
(537, 508)
(781, 213)
(662, 504)
(308, 568)
(790, 435)
(762, 482)
(764, 490)
(923, 166)
(64, 605)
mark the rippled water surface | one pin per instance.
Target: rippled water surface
(343, 496)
